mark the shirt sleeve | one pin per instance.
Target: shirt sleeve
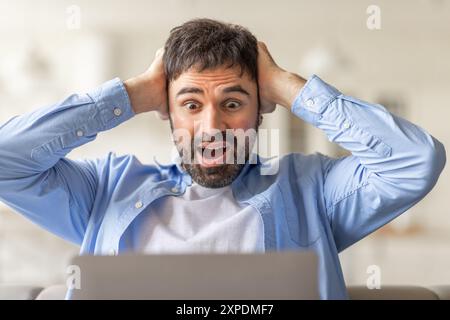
(393, 165)
(35, 177)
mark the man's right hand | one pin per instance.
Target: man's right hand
(147, 91)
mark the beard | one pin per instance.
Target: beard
(235, 155)
(217, 176)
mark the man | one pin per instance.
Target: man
(210, 78)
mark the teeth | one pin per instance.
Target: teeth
(216, 148)
(213, 152)
(213, 147)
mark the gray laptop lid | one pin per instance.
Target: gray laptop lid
(274, 275)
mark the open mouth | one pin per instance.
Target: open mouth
(212, 153)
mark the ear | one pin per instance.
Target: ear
(267, 106)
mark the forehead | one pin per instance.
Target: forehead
(215, 77)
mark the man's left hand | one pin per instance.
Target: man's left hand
(276, 85)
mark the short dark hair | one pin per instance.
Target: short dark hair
(206, 44)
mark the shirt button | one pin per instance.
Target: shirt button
(112, 252)
(117, 111)
(346, 125)
(174, 189)
(310, 103)
(138, 205)
(80, 133)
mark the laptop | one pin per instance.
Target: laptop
(264, 276)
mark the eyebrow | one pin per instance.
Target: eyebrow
(236, 88)
(189, 90)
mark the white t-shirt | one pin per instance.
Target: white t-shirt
(202, 220)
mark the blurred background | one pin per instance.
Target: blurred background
(393, 53)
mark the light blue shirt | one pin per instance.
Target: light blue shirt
(313, 202)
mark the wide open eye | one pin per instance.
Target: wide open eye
(191, 105)
(232, 105)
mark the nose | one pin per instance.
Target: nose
(212, 121)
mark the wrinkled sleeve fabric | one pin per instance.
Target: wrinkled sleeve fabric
(37, 180)
(393, 163)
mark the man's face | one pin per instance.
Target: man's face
(209, 105)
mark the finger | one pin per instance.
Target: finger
(262, 45)
(263, 49)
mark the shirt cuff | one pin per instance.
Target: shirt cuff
(112, 103)
(312, 100)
